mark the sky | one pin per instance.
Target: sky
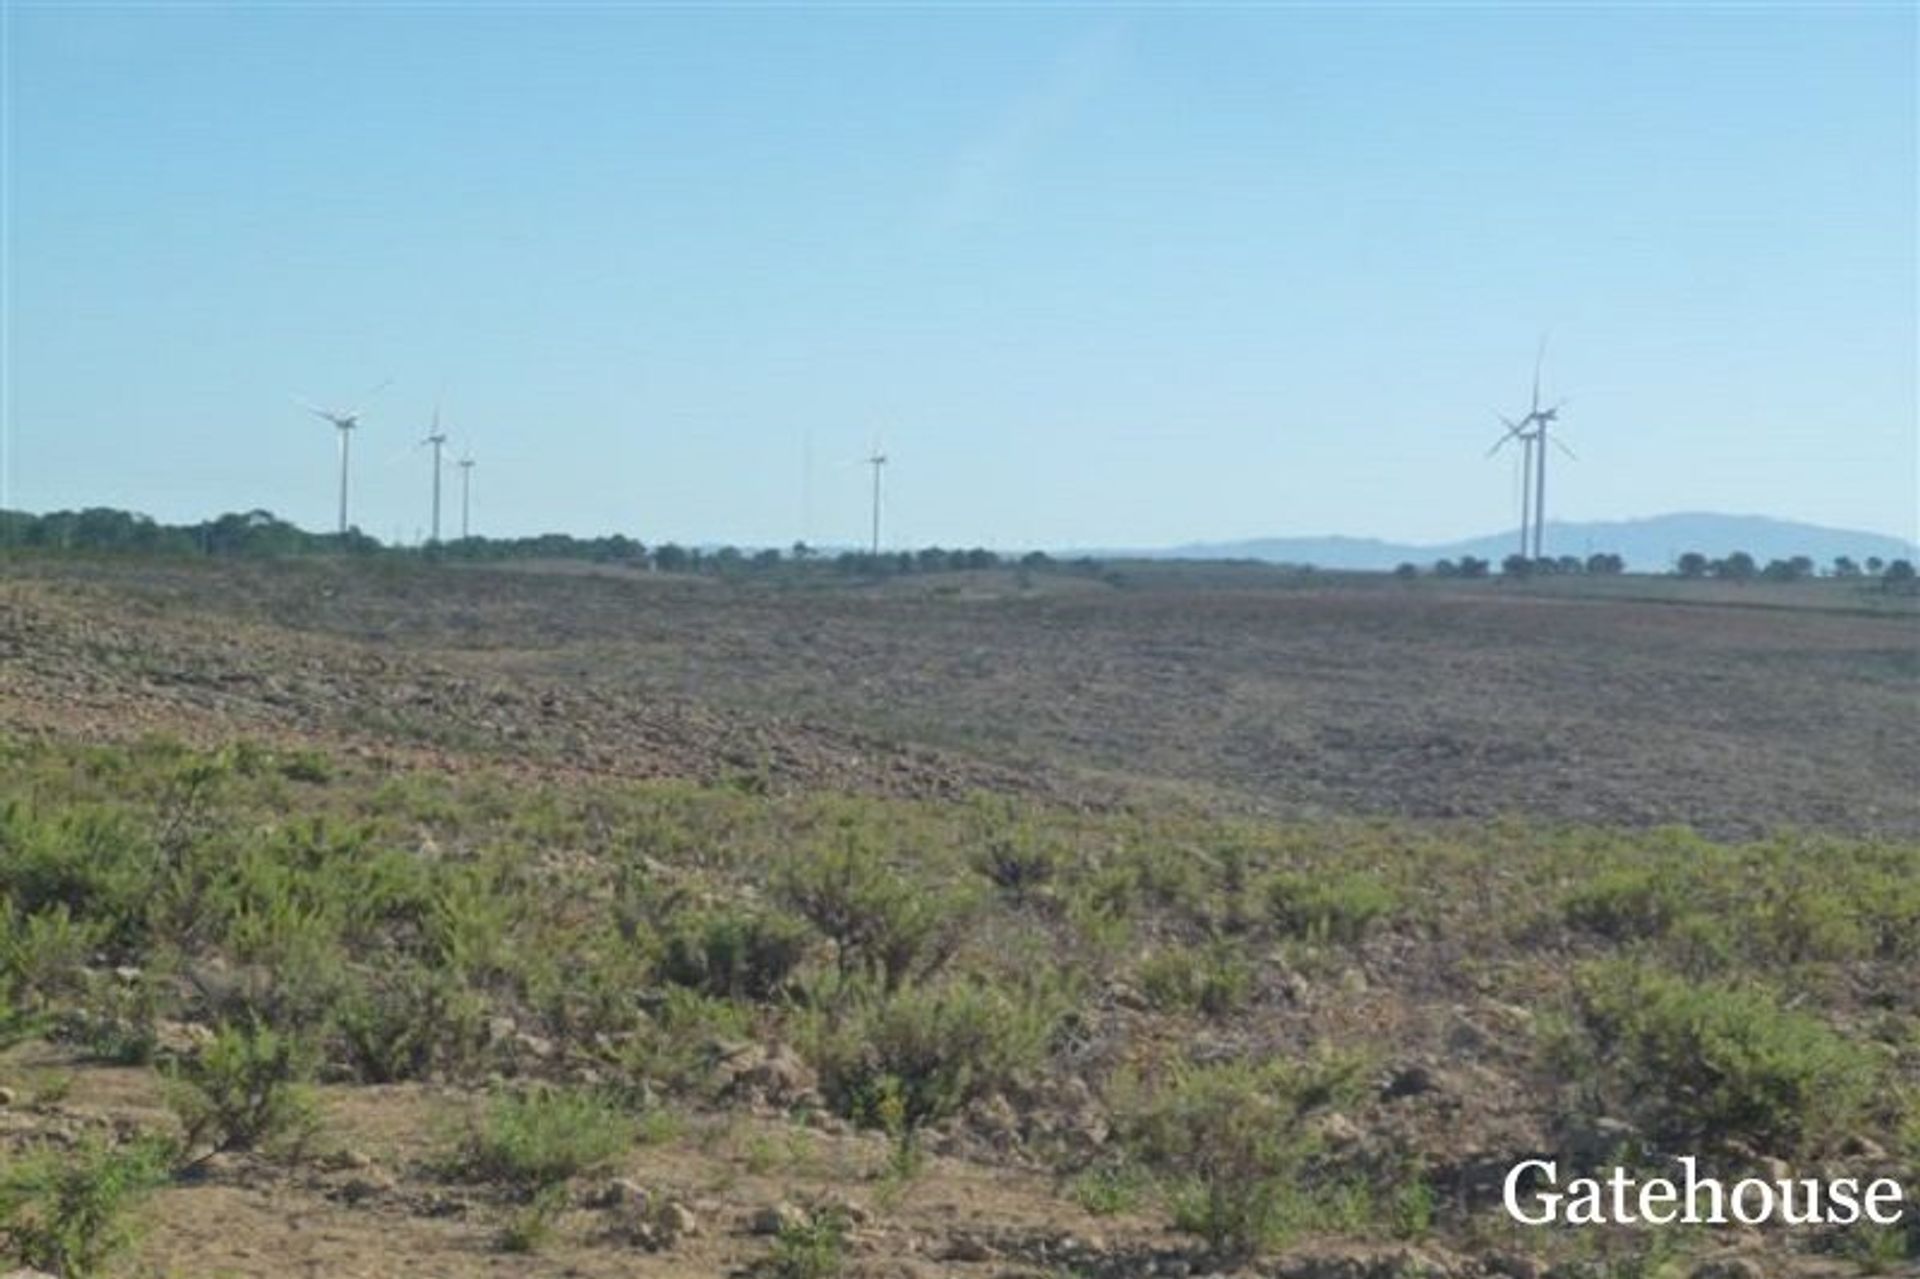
(1091, 276)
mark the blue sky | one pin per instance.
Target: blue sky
(1092, 275)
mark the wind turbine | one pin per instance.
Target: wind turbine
(436, 437)
(345, 423)
(466, 491)
(1534, 430)
(876, 460)
(1518, 431)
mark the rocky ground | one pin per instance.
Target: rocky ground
(1481, 756)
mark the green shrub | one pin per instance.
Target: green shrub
(1016, 860)
(916, 1056)
(812, 1249)
(44, 956)
(540, 1139)
(1217, 979)
(735, 954)
(1110, 1188)
(245, 1090)
(1627, 904)
(409, 1022)
(1337, 907)
(66, 1212)
(529, 1226)
(1230, 1142)
(1800, 921)
(882, 921)
(1715, 1063)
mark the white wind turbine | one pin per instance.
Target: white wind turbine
(346, 423)
(436, 437)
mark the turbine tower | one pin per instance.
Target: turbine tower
(466, 491)
(436, 438)
(1534, 431)
(345, 423)
(1518, 431)
(876, 460)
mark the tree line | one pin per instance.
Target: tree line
(261, 534)
(1737, 567)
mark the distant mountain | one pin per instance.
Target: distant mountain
(1648, 545)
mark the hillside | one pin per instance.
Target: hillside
(375, 917)
(1648, 545)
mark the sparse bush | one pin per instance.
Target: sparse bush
(409, 1021)
(881, 920)
(538, 1140)
(1111, 1188)
(735, 954)
(1016, 861)
(1231, 1142)
(1713, 1063)
(1216, 979)
(44, 957)
(1628, 903)
(812, 1249)
(245, 1090)
(529, 1226)
(1338, 906)
(902, 1060)
(66, 1212)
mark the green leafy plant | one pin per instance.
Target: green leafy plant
(68, 1212)
(1230, 1141)
(902, 1060)
(811, 1249)
(1336, 906)
(245, 1090)
(883, 922)
(1713, 1062)
(540, 1139)
(1216, 979)
(735, 954)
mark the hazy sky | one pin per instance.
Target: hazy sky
(1094, 276)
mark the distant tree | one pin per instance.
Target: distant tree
(1406, 571)
(1036, 559)
(1875, 564)
(1899, 575)
(1795, 569)
(933, 560)
(1692, 564)
(1844, 566)
(671, 558)
(1516, 565)
(979, 558)
(1445, 568)
(1473, 566)
(1737, 567)
(767, 558)
(1605, 564)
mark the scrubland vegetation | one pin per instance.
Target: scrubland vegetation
(461, 1007)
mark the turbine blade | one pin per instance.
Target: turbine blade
(1563, 448)
(1539, 358)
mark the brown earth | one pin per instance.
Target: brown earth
(1293, 701)
(1265, 695)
